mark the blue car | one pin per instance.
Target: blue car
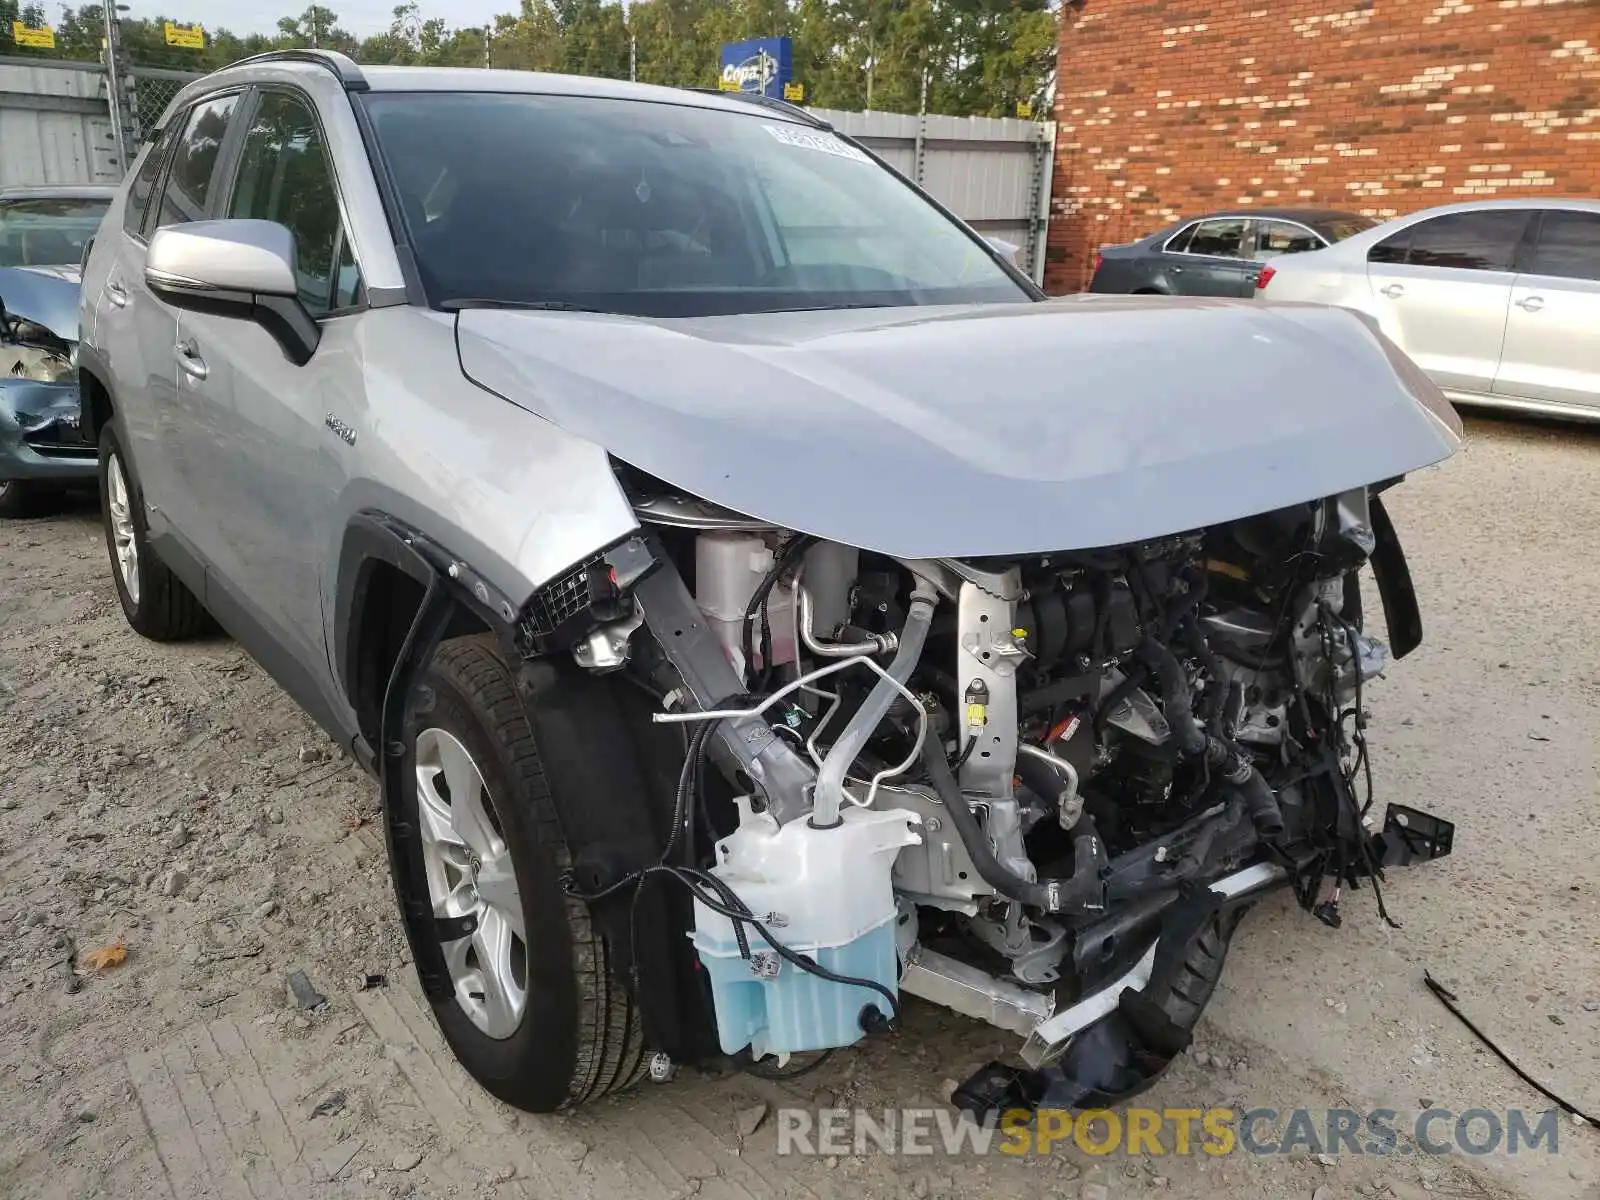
(43, 452)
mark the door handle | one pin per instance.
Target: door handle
(1393, 291)
(1530, 303)
(1177, 270)
(190, 361)
(116, 293)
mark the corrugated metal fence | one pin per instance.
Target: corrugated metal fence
(993, 173)
(54, 124)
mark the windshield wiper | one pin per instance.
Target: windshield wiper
(832, 307)
(527, 305)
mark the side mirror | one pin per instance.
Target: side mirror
(235, 268)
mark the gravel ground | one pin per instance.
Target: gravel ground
(172, 801)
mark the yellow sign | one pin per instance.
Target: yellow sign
(794, 93)
(1025, 109)
(728, 85)
(43, 38)
(190, 37)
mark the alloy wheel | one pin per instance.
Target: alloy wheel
(126, 545)
(470, 876)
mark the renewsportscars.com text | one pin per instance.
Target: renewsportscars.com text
(1180, 1131)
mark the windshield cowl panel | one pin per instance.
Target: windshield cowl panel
(662, 210)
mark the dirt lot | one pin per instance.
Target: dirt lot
(173, 800)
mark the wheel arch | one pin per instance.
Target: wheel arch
(386, 571)
(94, 394)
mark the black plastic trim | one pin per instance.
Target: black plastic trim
(1393, 576)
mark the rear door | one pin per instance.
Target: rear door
(1552, 342)
(176, 439)
(136, 376)
(1213, 260)
(1441, 288)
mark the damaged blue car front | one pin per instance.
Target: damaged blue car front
(43, 235)
(43, 448)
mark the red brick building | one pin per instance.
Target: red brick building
(1170, 107)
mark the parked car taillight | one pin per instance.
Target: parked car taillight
(1098, 259)
(1265, 277)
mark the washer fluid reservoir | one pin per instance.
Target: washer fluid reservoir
(823, 893)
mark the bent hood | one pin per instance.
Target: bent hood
(975, 430)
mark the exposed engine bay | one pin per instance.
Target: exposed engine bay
(1039, 791)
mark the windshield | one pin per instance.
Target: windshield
(662, 210)
(47, 233)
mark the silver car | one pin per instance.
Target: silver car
(1498, 301)
(753, 598)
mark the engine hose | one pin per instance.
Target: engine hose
(1259, 803)
(1082, 893)
(1194, 637)
(1176, 702)
(1183, 608)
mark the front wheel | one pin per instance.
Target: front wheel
(534, 1013)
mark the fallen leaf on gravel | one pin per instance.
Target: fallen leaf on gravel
(105, 957)
(354, 821)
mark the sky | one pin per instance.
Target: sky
(361, 17)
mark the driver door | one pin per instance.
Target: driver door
(278, 468)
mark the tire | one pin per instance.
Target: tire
(24, 498)
(579, 1036)
(156, 602)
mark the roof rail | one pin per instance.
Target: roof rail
(766, 101)
(342, 65)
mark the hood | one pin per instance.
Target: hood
(973, 430)
(46, 296)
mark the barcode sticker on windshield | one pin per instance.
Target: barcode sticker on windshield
(815, 139)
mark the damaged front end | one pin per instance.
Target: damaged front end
(42, 435)
(1039, 790)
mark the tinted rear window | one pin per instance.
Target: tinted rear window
(1469, 241)
(1569, 246)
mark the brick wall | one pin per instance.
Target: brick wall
(1167, 108)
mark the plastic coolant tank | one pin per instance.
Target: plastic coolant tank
(829, 897)
(728, 567)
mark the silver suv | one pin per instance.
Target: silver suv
(753, 599)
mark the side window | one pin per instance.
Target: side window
(1218, 239)
(189, 180)
(1393, 249)
(285, 175)
(1281, 237)
(1569, 246)
(1471, 241)
(1180, 244)
(144, 182)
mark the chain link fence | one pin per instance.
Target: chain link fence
(150, 90)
